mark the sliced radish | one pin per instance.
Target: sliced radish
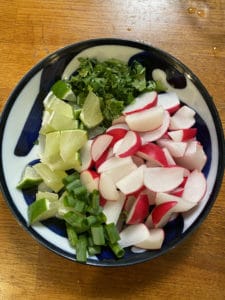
(117, 126)
(90, 179)
(178, 191)
(128, 203)
(146, 120)
(176, 149)
(193, 158)
(132, 182)
(138, 161)
(85, 156)
(162, 213)
(183, 134)
(152, 152)
(119, 120)
(149, 222)
(195, 187)
(162, 179)
(100, 145)
(117, 134)
(150, 194)
(169, 101)
(133, 234)
(181, 206)
(119, 172)
(169, 158)
(112, 209)
(154, 240)
(182, 119)
(107, 188)
(139, 210)
(114, 162)
(129, 145)
(142, 102)
(106, 155)
(156, 134)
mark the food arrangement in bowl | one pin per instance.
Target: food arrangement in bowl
(117, 156)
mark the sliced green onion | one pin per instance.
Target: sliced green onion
(72, 235)
(81, 248)
(76, 220)
(71, 178)
(73, 185)
(112, 233)
(80, 191)
(117, 250)
(93, 250)
(97, 233)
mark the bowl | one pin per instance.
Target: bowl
(21, 120)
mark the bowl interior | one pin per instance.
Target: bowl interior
(21, 120)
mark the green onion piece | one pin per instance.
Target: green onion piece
(71, 178)
(101, 217)
(117, 250)
(92, 220)
(81, 248)
(69, 200)
(94, 204)
(112, 233)
(80, 191)
(72, 235)
(80, 206)
(76, 220)
(73, 185)
(97, 233)
(93, 250)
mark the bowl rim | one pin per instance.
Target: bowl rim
(82, 45)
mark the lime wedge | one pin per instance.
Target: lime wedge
(63, 90)
(91, 114)
(51, 102)
(47, 195)
(55, 121)
(52, 179)
(41, 210)
(51, 149)
(30, 178)
(71, 141)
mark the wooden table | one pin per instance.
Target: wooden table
(194, 32)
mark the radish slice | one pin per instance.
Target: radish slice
(162, 213)
(169, 101)
(114, 162)
(156, 134)
(182, 119)
(153, 153)
(119, 172)
(181, 206)
(195, 187)
(154, 240)
(176, 149)
(163, 179)
(169, 158)
(139, 210)
(146, 120)
(182, 134)
(100, 145)
(133, 234)
(132, 182)
(107, 188)
(106, 155)
(142, 102)
(129, 144)
(112, 209)
(90, 179)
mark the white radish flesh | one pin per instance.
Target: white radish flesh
(129, 144)
(133, 234)
(100, 145)
(112, 209)
(107, 188)
(169, 101)
(182, 119)
(154, 240)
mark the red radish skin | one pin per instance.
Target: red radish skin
(129, 144)
(117, 126)
(178, 192)
(169, 101)
(142, 102)
(107, 154)
(100, 144)
(107, 188)
(146, 120)
(117, 134)
(139, 210)
(90, 179)
(156, 134)
(182, 119)
(85, 155)
(153, 153)
(102, 201)
(163, 179)
(183, 134)
(154, 240)
(161, 213)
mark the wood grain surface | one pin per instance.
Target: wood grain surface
(192, 31)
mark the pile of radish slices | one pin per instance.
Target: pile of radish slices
(148, 157)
